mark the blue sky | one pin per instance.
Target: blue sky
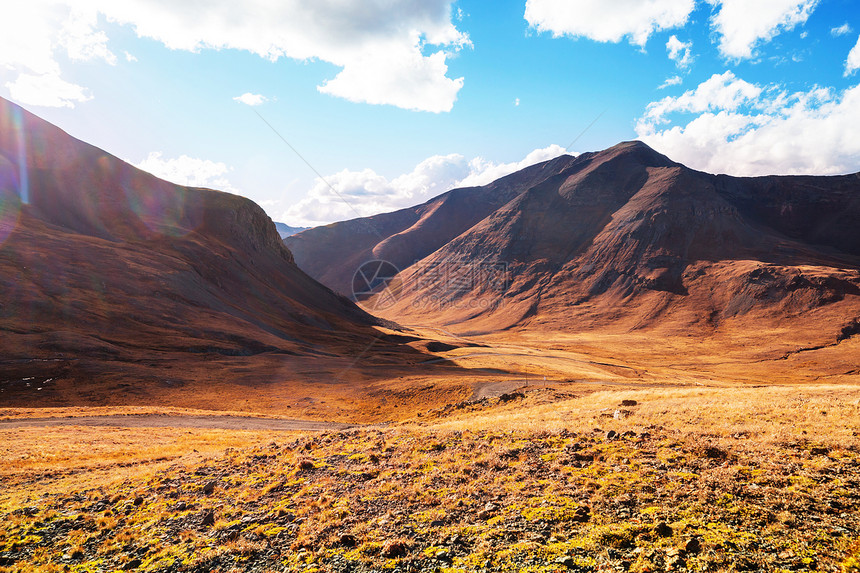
(393, 102)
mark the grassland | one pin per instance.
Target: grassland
(695, 479)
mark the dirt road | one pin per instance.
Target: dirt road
(174, 421)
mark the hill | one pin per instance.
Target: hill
(332, 253)
(116, 285)
(626, 239)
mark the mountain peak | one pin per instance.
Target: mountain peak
(636, 151)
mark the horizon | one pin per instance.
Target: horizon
(321, 114)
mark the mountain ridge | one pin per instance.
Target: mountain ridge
(616, 236)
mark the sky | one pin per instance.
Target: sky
(333, 109)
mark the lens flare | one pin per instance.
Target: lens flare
(10, 203)
(23, 175)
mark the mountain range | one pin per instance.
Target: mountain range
(625, 238)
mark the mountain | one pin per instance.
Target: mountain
(333, 253)
(114, 282)
(624, 238)
(285, 230)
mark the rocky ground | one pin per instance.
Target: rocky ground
(415, 499)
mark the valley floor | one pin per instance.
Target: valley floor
(540, 479)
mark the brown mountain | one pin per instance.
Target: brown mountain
(332, 253)
(116, 283)
(627, 238)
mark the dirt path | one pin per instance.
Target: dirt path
(174, 421)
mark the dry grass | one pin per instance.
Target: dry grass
(82, 411)
(697, 479)
(825, 414)
(52, 460)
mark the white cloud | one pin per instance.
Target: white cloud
(842, 30)
(130, 57)
(743, 25)
(190, 171)
(248, 98)
(83, 42)
(482, 171)
(852, 64)
(379, 45)
(393, 75)
(391, 53)
(743, 129)
(680, 52)
(364, 193)
(46, 90)
(719, 92)
(28, 33)
(673, 81)
(604, 21)
(517, 102)
(32, 34)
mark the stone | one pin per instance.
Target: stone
(663, 529)
(582, 514)
(393, 549)
(209, 487)
(693, 545)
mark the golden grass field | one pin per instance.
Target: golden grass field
(557, 454)
(696, 479)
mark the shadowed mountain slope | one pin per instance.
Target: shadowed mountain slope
(108, 273)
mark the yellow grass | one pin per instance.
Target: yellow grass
(39, 460)
(827, 414)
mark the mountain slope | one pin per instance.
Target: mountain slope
(627, 238)
(108, 275)
(332, 253)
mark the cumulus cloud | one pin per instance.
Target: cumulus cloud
(680, 52)
(403, 78)
(190, 171)
(743, 25)
(46, 90)
(248, 98)
(852, 64)
(482, 171)
(391, 53)
(81, 38)
(727, 125)
(842, 30)
(719, 92)
(31, 33)
(607, 21)
(350, 194)
(381, 46)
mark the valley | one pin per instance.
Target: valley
(607, 362)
